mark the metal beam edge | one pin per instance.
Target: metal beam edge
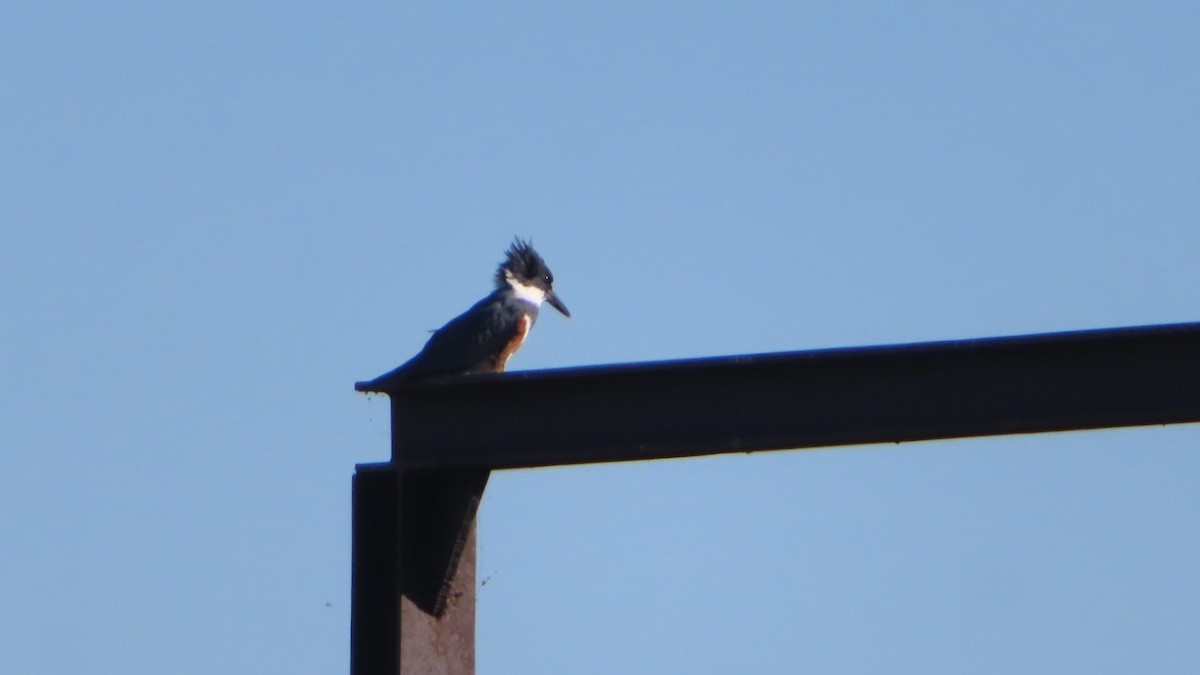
(891, 393)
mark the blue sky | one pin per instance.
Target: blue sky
(217, 217)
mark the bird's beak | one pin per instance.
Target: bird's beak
(552, 298)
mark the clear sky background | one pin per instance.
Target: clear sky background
(216, 217)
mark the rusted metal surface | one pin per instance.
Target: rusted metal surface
(413, 586)
(443, 644)
(437, 516)
(1049, 382)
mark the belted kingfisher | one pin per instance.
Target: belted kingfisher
(481, 339)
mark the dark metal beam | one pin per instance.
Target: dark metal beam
(413, 585)
(1035, 383)
(374, 583)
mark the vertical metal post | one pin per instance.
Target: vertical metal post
(374, 589)
(413, 587)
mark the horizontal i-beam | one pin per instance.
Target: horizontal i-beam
(1034, 383)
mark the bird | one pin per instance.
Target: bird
(483, 338)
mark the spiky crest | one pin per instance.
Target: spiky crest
(523, 263)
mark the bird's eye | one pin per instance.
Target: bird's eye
(547, 278)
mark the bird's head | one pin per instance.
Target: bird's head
(524, 271)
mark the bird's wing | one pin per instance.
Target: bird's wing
(469, 341)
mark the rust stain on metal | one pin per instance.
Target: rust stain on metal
(445, 644)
